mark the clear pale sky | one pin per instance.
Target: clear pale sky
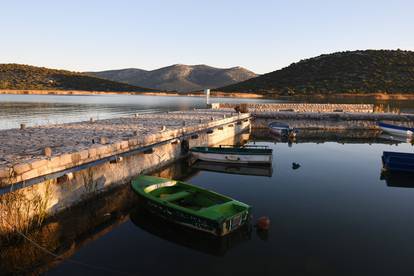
(260, 35)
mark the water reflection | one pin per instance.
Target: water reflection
(363, 136)
(332, 216)
(183, 236)
(398, 179)
(397, 139)
(51, 109)
(66, 234)
(242, 169)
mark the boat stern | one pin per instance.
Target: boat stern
(236, 221)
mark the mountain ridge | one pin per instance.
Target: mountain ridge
(178, 77)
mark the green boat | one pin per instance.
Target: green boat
(191, 206)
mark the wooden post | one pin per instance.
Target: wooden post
(47, 152)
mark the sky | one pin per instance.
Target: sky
(259, 35)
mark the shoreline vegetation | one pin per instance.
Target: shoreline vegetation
(376, 96)
(389, 72)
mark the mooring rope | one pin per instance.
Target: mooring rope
(58, 257)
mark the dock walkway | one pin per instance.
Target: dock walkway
(33, 151)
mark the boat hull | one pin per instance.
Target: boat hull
(233, 158)
(279, 131)
(398, 162)
(282, 129)
(179, 217)
(396, 130)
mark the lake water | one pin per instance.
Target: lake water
(51, 109)
(334, 215)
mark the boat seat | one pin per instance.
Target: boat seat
(176, 196)
(216, 210)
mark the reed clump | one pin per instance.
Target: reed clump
(23, 210)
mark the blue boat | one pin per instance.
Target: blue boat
(396, 130)
(398, 161)
(282, 129)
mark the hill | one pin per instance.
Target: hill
(178, 77)
(369, 71)
(17, 76)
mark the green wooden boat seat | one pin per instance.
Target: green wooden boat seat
(220, 210)
(176, 196)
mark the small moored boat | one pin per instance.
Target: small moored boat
(398, 161)
(190, 205)
(250, 154)
(396, 130)
(282, 129)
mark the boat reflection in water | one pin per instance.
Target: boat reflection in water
(396, 138)
(282, 139)
(196, 240)
(398, 179)
(242, 169)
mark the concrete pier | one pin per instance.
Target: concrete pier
(46, 169)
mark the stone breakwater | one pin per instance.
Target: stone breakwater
(256, 108)
(31, 152)
(333, 120)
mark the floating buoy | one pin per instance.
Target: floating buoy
(263, 223)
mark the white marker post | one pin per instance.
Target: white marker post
(207, 92)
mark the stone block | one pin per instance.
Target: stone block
(108, 149)
(54, 162)
(5, 172)
(132, 142)
(124, 145)
(65, 159)
(93, 153)
(84, 154)
(76, 157)
(30, 174)
(100, 151)
(39, 163)
(21, 168)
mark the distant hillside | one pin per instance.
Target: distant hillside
(179, 77)
(370, 71)
(17, 76)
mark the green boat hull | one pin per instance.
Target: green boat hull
(190, 205)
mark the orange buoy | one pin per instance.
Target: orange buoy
(263, 223)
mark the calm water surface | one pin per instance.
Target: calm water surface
(332, 216)
(51, 109)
